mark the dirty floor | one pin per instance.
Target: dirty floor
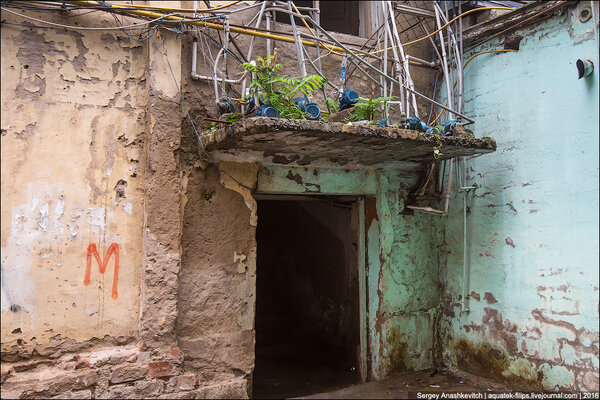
(398, 386)
(287, 371)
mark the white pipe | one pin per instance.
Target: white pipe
(250, 48)
(268, 26)
(317, 32)
(225, 51)
(448, 186)
(464, 267)
(433, 210)
(298, 42)
(444, 62)
(409, 81)
(431, 64)
(464, 189)
(396, 58)
(216, 87)
(195, 75)
(458, 61)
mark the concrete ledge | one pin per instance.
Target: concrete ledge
(301, 142)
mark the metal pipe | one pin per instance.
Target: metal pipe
(464, 271)
(195, 76)
(461, 89)
(225, 51)
(437, 52)
(413, 11)
(444, 60)
(448, 186)
(385, 57)
(404, 61)
(428, 63)
(388, 34)
(358, 51)
(216, 87)
(318, 19)
(297, 43)
(465, 190)
(317, 70)
(250, 48)
(433, 210)
(458, 63)
(268, 26)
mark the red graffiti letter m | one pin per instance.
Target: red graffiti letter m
(102, 264)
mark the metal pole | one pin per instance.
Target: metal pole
(318, 19)
(268, 26)
(444, 60)
(298, 43)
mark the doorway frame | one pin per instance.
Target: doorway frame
(359, 208)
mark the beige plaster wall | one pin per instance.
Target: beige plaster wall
(73, 119)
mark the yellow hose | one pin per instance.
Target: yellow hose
(467, 63)
(181, 10)
(154, 15)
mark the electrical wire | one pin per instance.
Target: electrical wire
(108, 28)
(51, 9)
(467, 63)
(180, 10)
(209, 159)
(444, 26)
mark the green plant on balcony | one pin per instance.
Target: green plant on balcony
(368, 109)
(279, 90)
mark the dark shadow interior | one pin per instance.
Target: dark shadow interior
(337, 16)
(307, 315)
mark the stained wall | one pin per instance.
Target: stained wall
(73, 120)
(532, 223)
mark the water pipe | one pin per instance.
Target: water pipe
(297, 42)
(428, 63)
(249, 54)
(396, 58)
(464, 189)
(404, 61)
(194, 74)
(458, 58)
(461, 89)
(225, 51)
(447, 202)
(444, 61)
(318, 20)
(268, 26)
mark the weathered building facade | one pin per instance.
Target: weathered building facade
(131, 266)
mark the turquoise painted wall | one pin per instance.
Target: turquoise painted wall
(532, 224)
(401, 254)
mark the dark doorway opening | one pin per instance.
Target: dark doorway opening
(337, 16)
(307, 297)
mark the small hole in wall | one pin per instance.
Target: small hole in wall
(20, 342)
(512, 42)
(585, 14)
(25, 66)
(14, 307)
(15, 331)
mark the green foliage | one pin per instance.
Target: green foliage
(233, 117)
(280, 90)
(332, 105)
(368, 109)
(436, 148)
